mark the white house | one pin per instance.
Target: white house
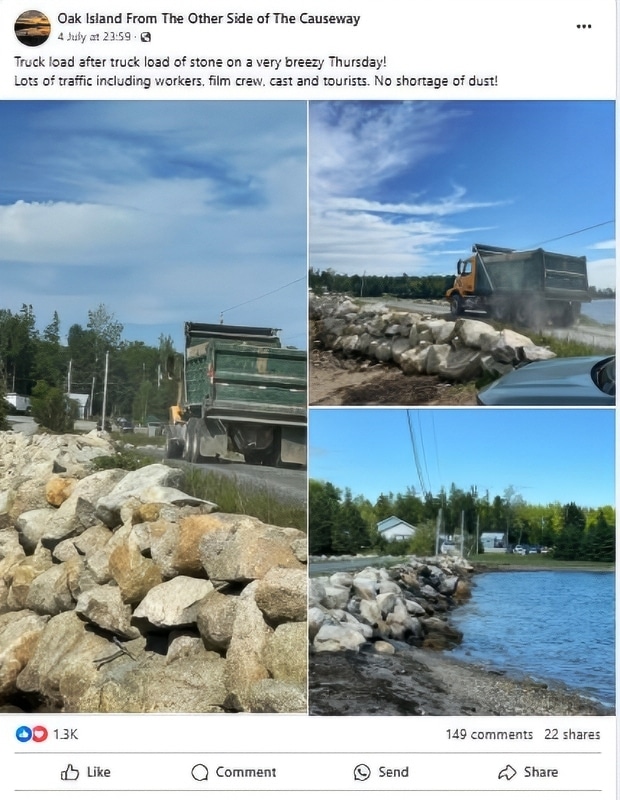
(395, 529)
(83, 404)
(493, 542)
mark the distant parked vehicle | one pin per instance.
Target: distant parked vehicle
(519, 550)
(125, 425)
(18, 404)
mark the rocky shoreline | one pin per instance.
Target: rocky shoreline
(378, 640)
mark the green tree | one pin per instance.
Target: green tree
(4, 406)
(601, 540)
(50, 363)
(422, 543)
(323, 508)
(52, 409)
(351, 534)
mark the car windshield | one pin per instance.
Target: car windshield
(605, 377)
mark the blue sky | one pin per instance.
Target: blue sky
(409, 187)
(546, 455)
(163, 211)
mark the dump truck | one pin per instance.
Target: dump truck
(533, 288)
(240, 391)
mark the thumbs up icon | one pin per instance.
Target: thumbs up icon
(69, 774)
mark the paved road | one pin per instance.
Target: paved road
(602, 336)
(21, 424)
(289, 485)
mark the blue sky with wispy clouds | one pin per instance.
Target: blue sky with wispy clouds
(409, 187)
(163, 211)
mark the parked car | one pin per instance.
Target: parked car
(583, 381)
(520, 550)
(124, 425)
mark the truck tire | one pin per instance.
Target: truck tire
(174, 447)
(571, 314)
(532, 313)
(501, 309)
(192, 441)
(456, 305)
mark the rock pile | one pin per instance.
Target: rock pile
(119, 592)
(460, 350)
(407, 603)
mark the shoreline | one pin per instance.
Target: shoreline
(420, 682)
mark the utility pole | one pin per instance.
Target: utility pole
(105, 390)
(92, 397)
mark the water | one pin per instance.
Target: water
(602, 311)
(551, 626)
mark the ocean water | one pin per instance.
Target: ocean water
(603, 311)
(553, 626)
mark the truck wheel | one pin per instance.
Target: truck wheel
(501, 309)
(174, 448)
(456, 305)
(192, 441)
(571, 314)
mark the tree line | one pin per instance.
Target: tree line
(40, 364)
(407, 286)
(423, 287)
(340, 523)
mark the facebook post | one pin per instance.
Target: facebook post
(281, 440)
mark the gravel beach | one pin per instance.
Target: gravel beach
(420, 682)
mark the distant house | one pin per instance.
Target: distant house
(83, 404)
(493, 542)
(395, 529)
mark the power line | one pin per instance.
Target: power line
(574, 233)
(415, 455)
(260, 297)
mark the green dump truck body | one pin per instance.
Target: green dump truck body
(243, 392)
(234, 372)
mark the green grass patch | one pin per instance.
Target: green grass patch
(536, 561)
(233, 497)
(566, 348)
(123, 459)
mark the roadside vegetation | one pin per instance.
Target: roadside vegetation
(232, 497)
(341, 524)
(535, 561)
(138, 387)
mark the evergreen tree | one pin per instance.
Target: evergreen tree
(323, 507)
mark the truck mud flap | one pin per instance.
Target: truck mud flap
(293, 446)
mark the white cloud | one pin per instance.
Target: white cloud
(602, 273)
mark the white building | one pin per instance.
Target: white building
(395, 529)
(83, 404)
(493, 542)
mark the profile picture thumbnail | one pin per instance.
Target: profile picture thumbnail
(32, 28)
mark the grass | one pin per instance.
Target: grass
(124, 459)
(566, 348)
(234, 498)
(536, 561)
(138, 439)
